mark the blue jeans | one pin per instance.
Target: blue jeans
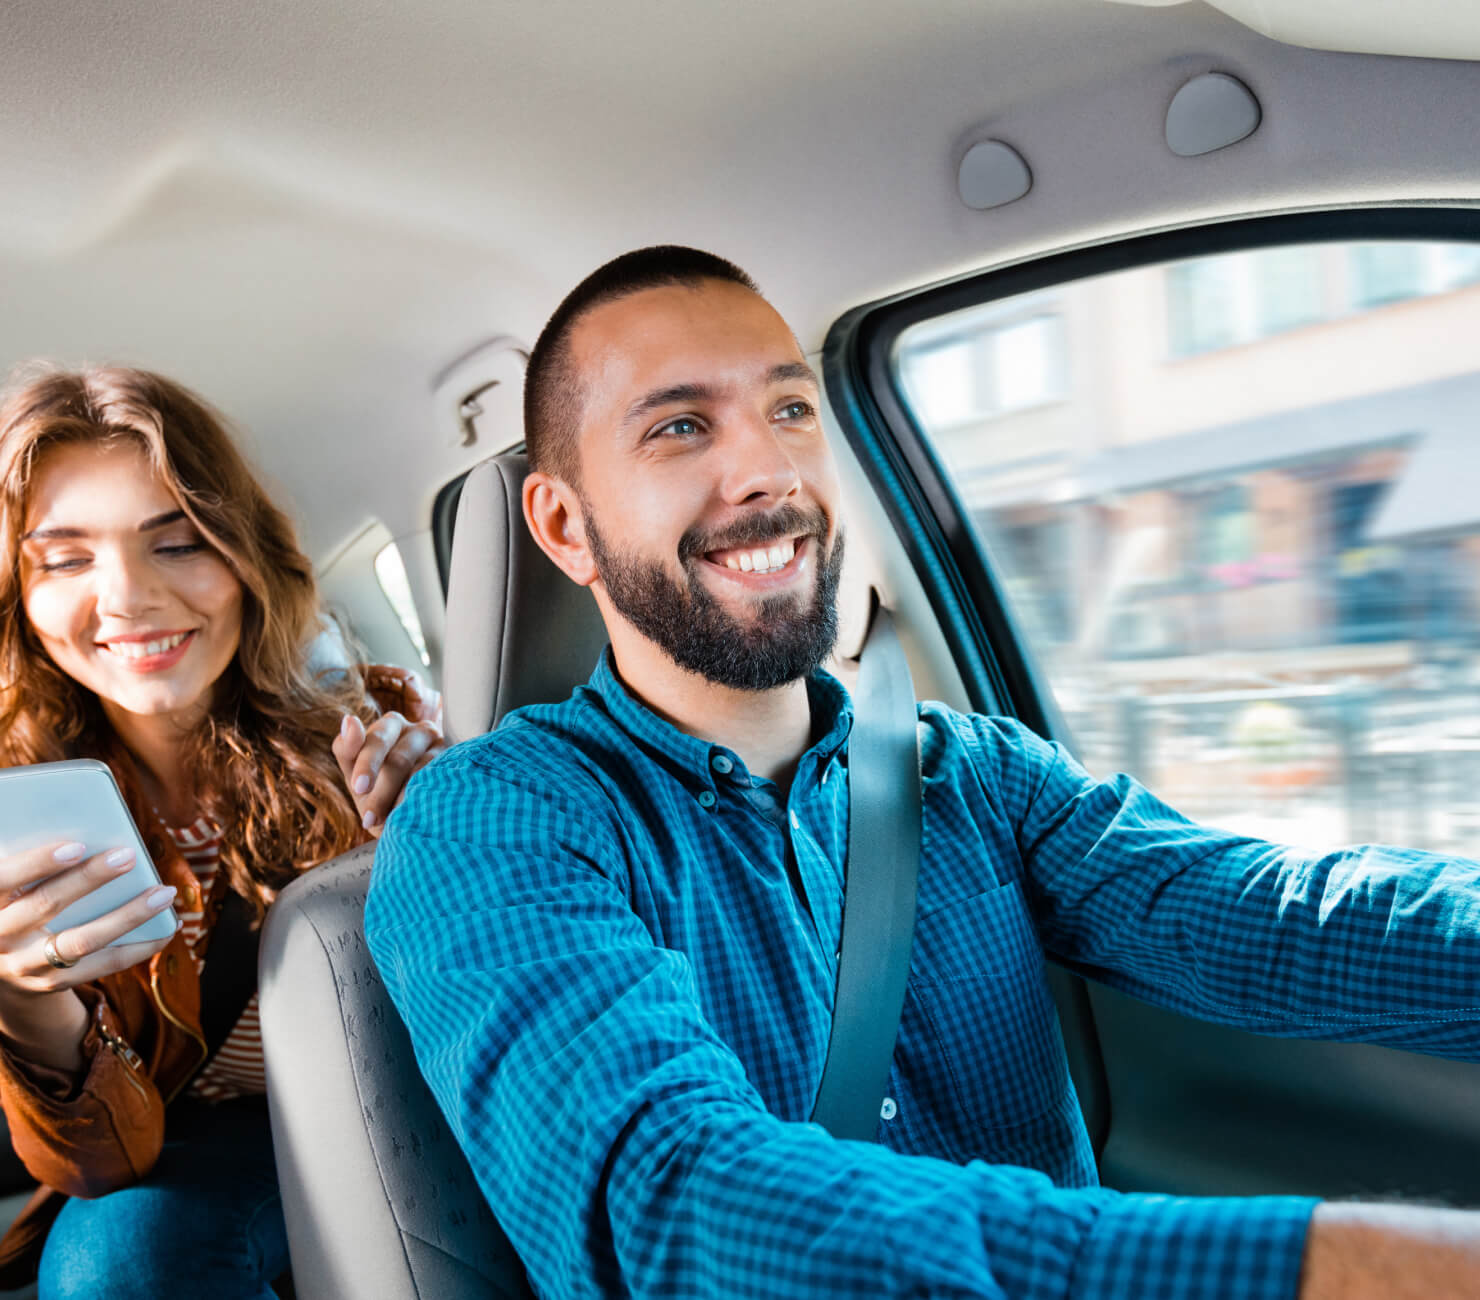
(206, 1222)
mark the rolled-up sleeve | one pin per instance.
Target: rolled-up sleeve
(623, 1148)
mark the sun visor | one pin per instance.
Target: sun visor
(1432, 29)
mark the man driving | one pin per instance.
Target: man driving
(612, 925)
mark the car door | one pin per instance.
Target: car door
(1200, 505)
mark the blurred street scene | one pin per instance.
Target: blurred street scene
(1234, 504)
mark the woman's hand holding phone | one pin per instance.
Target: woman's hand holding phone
(36, 886)
(38, 1011)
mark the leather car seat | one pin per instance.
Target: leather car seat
(378, 1198)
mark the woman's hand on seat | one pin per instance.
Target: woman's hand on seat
(378, 760)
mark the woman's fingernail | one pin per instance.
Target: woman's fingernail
(362, 783)
(119, 858)
(72, 852)
(368, 820)
(160, 898)
(344, 725)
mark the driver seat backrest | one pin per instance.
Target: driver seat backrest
(378, 1197)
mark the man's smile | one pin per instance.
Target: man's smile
(760, 555)
(766, 558)
(765, 569)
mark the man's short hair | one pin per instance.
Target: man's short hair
(552, 390)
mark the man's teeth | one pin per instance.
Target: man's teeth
(763, 558)
(143, 649)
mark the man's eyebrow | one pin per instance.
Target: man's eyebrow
(665, 397)
(792, 370)
(62, 534)
(695, 392)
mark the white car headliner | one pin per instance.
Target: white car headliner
(307, 210)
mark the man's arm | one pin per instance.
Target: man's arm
(1391, 1252)
(1372, 943)
(623, 1148)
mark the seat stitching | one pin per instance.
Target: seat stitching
(355, 1076)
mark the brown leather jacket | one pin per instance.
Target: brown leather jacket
(93, 1136)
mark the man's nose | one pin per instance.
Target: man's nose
(759, 464)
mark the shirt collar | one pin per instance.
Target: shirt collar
(832, 719)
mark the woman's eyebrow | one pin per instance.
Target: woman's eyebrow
(148, 526)
(161, 521)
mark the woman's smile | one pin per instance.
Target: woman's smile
(149, 652)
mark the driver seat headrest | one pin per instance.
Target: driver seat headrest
(518, 630)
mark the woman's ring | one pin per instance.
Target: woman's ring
(49, 950)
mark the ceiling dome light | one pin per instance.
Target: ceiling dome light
(1210, 112)
(991, 174)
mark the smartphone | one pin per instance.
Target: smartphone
(53, 803)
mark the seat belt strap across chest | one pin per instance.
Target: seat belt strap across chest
(884, 811)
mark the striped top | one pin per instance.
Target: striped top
(236, 1070)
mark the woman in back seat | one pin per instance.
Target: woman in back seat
(158, 615)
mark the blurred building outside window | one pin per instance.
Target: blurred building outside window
(1009, 364)
(1242, 582)
(1384, 273)
(1237, 298)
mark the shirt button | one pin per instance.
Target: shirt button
(722, 765)
(826, 772)
(706, 798)
(888, 1110)
(796, 823)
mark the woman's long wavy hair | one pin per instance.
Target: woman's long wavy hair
(263, 766)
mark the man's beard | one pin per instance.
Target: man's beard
(782, 639)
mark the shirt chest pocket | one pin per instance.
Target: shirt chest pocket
(978, 981)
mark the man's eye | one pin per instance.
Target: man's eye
(797, 410)
(683, 427)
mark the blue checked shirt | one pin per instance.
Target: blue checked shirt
(616, 951)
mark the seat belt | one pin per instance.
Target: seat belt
(884, 808)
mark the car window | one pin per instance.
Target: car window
(1231, 503)
(390, 572)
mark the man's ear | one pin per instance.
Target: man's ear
(553, 512)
